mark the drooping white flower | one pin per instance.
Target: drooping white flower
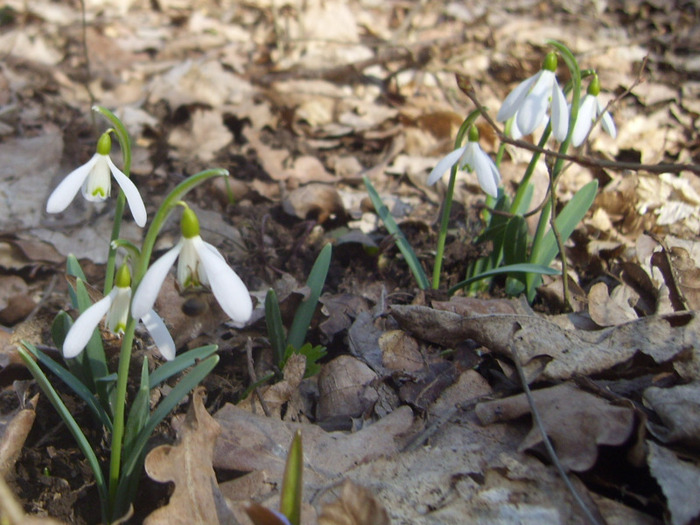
(589, 110)
(116, 307)
(93, 179)
(529, 102)
(473, 159)
(200, 264)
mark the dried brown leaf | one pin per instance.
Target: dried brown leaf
(14, 428)
(611, 309)
(676, 478)
(346, 388)
(663, 338)
(314, 201)
(355, 506)
(188, 464)
(577, 422)
(679, 409)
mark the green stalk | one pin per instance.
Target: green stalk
(161, 216)
(532, 279)
(125, 145)
(447, 203)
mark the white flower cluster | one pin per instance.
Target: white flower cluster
(528, 105)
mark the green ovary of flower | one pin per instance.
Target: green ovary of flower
(189, 224)
(123, 278)
(104, 145)
(594, 86)
(550, 61)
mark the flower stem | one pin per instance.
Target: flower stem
(125, 145)
(447, 203)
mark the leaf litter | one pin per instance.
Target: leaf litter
(299, 102)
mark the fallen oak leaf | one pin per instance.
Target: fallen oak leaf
(355, 506)
(14, 429)
(673, 337)
(576, 422)
(188, 464)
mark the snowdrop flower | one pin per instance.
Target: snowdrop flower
(93, 179)
(472, 158)
(529, 101)
(116, 307)
(200, 264)
(588, 112)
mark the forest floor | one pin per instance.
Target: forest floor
(418, 402)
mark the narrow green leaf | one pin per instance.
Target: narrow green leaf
(572, 214)
(305, 311)
(59, 328)
(513, 268)
(515, 241)
(74, 384)
(292, 482)
(180, 363)
(399, 238)
(275, 328)
(73, 427)
(133, 462)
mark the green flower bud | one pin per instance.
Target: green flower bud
(550, 61)
(189, 224)
(104, 145)
(123, 278)
(594, 86)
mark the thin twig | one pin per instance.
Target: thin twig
(253, 378)
(545, 439)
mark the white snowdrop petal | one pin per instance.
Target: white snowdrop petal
(443, 165)
(118, 314)
(98, 185)
(66, 191)
(159, 332)
(531, 113)
(147, 292)
(606, 121)
(484, 174)
(131, 192)
(225, 284)
(560, 114)
(584, 119)
(80, 333)
(515, 98)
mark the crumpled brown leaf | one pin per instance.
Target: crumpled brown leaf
(14, 428)
(663, 338)
(679, 409)
(576, 422)
(196, 498)
(355, 506)
(679, 481)
(251, 442)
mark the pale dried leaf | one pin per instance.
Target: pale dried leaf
(611, 309)
(663, 338)
(277, 396)
(355, 506)
(679, 410)
(346, 388)
(188, 464)
(203, 137)
(14, 429)
(677, 478)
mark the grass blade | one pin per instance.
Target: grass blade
(399, 238)
(511, 268)
(305, 312)
(180, 363)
